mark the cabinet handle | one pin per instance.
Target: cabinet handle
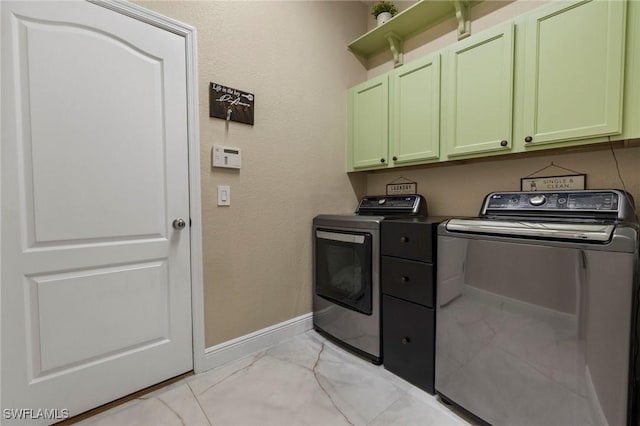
(382, 160)
(528, 139)
(404, 239)
(395, 158)
(504, 143)
(404, 279)
(406, 340)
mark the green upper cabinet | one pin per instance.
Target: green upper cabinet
(477, 92)
(565, 74)
(574, 70)
(368, 116)
(414, 126)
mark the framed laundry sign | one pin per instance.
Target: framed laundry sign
(554, 183)
(402, 186)
(231, 104)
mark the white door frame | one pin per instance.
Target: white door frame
(197, 288)
(189, 34)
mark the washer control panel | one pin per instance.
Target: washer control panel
(609, 203)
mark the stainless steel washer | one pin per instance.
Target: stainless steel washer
(536, 320)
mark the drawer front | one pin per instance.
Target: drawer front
(408, 279)
(407, 240)
(408, 339)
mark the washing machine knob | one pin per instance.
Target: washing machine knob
(537, 200)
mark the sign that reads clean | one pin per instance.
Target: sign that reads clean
(553, 183)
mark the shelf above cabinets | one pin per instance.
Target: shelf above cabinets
(411, 21)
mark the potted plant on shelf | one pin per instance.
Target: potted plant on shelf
(383, 11)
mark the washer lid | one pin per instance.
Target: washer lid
(596, 232)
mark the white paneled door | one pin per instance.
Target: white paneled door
(96, 290)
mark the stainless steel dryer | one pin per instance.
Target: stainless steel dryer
(346, 271)
(537, 312)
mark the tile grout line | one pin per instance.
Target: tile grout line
(206, 416)
(403, 395)
(163, 402)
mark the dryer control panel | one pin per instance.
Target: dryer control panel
(414, 205)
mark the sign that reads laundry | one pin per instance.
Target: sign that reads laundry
(231, 104)
(402, 188)
(553, 183)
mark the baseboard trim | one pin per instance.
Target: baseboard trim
(242, 346)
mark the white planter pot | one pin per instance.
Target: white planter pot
(383, 17)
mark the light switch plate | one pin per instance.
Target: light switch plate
(224, 195)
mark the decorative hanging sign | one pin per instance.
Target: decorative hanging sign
(231, 104)
(554, 183)
(576, 180)
(407, 187)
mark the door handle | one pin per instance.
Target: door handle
(179, 224)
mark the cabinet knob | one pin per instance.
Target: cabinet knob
(404, 239)
(504, 143)
(395, 158)
(404, 279)
(528, 139)
(382, 160)
(406, 340)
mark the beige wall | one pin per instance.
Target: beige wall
(293, 57)
(457, 189)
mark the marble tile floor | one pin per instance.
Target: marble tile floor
(306, 380)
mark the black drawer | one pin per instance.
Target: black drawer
(408, 339)
(410, 240)
(407, 279)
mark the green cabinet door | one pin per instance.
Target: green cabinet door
(478, 93)
(414, 126)
(574, 71)
(368, 115)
